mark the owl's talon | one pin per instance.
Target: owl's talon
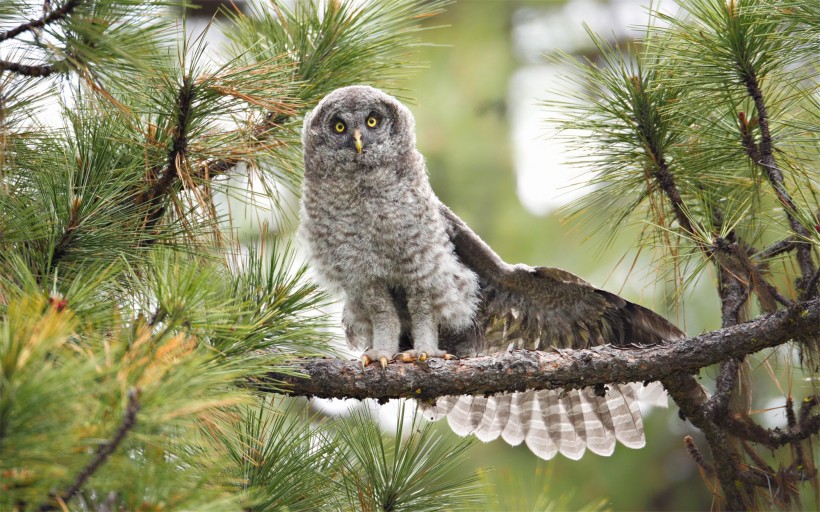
(372, 356)
(405, 357)
(423, 357)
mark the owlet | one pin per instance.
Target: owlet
(418, 283)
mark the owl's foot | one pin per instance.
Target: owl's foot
(373, 355)
(422, 356)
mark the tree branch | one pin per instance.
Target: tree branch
(523, 369)
(103, 452)
(27, 70)
(55, 15)
(777, 248)
(763, 156)
(176, 156)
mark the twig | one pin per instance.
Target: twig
(763, 156)
(32, 25)
(777, 249)
(733, 295)
(718, 405)
(218, 167)
(667, 182)
(771, 438)
(694, 452)
(176, 156)
(103, 451)
(811, 289)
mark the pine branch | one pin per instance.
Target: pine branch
(27, 70)
(176, 156)
(103, 452)
(763, 156)
(564, 369)
(667, 182)
(806, 426)
(263, 131)
(32, 25)
(777, 248)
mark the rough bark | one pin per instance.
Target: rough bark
(566, 369)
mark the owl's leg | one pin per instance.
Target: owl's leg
(424, 330)
(356, 323)
(386, 326)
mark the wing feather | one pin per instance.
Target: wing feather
(541, 307)
(537, 308)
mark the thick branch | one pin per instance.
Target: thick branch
(566, 369)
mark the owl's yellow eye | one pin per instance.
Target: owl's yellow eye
(339, 127)
(372, 121)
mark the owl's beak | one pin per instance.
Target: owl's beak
(357, 139)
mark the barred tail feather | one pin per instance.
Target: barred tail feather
(652, 394)
(466, 414)
(551, 421)
(440, 409)
(626, 415)
(539, 440)
(493, 424)
(598, 421)
(514, 433)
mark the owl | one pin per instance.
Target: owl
(418, 283)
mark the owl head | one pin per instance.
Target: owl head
(356, 128)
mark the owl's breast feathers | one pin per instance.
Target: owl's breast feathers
(380, 224)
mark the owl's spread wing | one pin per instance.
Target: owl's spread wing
(542, 307)
(537, 308)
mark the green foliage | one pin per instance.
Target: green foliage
(337, 43)
(706, 132)
(412, 470)
(679, 103)
(132, 319)
(277, 459)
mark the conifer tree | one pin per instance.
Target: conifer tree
(136, 327)
(131, 317)
(706, 130)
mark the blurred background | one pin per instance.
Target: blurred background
(495, 158)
